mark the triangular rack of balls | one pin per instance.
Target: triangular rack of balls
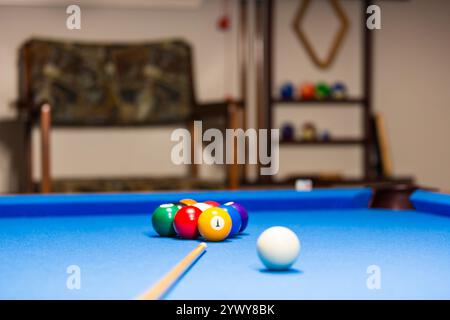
(189, 219)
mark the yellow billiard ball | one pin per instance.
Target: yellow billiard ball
(214, 224)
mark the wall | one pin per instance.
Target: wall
(412, 87)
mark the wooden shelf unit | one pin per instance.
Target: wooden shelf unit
(266, 102)
(331, 142)
(329, 103)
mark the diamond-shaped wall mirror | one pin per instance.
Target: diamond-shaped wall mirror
(337, 40)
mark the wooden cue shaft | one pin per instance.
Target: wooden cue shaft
(161, 287)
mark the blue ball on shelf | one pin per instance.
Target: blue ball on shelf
(325, 135)
(287, 91)
(339, 91)
(287, 132)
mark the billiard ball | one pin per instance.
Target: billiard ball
(185, 222)
(338, 90)
(309, 132)
(188, 202)
(202, 206)
(162, 219)
(214, 224)
(180, 204)
(236, 220)
(287, 132)
(325, 135)
(242, 211)
(212, 203)
(307, 91)
(287, 91)
(322, 90)
(278, 248)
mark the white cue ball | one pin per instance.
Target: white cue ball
(278, 248)
(202, 206)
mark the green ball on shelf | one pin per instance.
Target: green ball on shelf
(322, 91)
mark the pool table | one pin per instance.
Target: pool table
(117, 255)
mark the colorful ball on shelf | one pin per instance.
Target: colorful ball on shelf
(309, 132)
(339, 91)
(323, 90)
(307, 91)
(287, 91)
(325, 135)
(287, 132)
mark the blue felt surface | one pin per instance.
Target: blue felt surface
(120, 256)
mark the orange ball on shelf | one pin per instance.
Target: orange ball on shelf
(307, 91)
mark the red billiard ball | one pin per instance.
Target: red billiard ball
(212, 203)
(186, 221)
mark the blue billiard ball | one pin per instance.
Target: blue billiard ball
(339, 90)
(242, 211)
(287, 132)
(236, 220)
(325, 135)
(287, 91)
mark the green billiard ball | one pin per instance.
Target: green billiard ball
(323, 91)
(162, 219)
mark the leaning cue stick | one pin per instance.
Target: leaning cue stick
(161, 287)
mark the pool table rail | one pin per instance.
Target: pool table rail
(141, 203)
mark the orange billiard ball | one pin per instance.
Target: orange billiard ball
(188, 202)
(307, 91)
(214, 224)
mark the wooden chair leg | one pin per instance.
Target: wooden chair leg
(243, 171)
(193, 167)
(27, 178)
(45, 123)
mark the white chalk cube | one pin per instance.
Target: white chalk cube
(303, 185)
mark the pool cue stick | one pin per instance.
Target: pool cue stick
(161, 287)
(386, 157)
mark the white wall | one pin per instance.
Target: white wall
(412, 87)
(411, 84)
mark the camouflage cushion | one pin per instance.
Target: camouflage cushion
(114, 84)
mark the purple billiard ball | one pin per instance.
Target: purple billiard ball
(242, 212)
